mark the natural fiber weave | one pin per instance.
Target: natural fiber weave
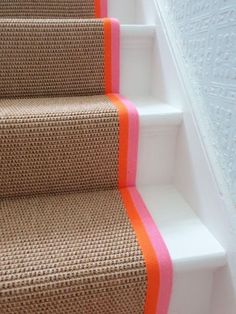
(58, 144)
(51, 58)
(47, 8)
(75, 236)
(70, 253)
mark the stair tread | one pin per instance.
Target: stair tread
(153, 112)
(190, 244)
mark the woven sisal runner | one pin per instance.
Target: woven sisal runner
(56, 57)
(53, 8)
(87, 251)
(75, 235)
(76, 253)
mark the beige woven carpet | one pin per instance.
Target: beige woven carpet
(70, 253)
(65, 57)
(53, 8)
(74, 252)
(75, 236)
(58, 144)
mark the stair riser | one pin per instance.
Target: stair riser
(156, 156)
(147, 65)
(136, 61)
(135, 12)
(136, 65)
(191, 293)
(127, 15)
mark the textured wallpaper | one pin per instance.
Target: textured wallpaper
(207, 34)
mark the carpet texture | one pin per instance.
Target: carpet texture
(53, 8)
(58, 144)
(72, 238)
(65, 57)
(74, 253)
(75, 235)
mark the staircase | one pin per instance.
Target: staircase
(145, 69)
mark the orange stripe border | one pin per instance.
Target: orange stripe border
(100, 8)
(97, 8)
(150, 258)
(123, 138)
(108, 55)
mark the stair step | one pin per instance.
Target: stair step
(56, 74)
(159, 124)
(190, 244)
(159, 127)
(195, 253)
(142, 72)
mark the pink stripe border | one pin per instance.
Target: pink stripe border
(133, 139)
(115, 41)
(163, 256)
(103, 8)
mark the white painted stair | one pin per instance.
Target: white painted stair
(194, 251)
(149, 80)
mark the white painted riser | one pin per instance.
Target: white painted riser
(148, 79)
(141, 64)
(136, 60)
(131, 11)
(158, 122)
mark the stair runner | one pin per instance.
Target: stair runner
(53, 8)
(76, 236)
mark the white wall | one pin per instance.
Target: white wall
(207, 33)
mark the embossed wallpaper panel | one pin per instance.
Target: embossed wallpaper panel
(207, 33)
